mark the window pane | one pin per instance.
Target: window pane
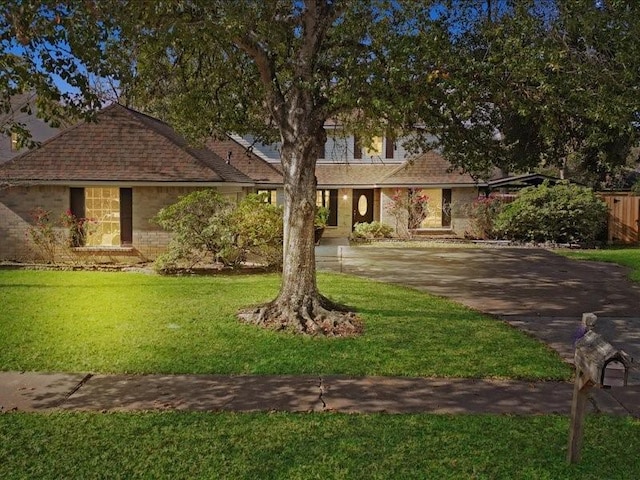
(376, 147)
(270, 196)
(102, 208)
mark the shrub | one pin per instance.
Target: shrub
(484, 212)
(45, 235)
(206, 226)
(259, 229)
(409, 208)
(54, 238)
(200, 223)
(370, 231)
(321, 219)
(563, 213)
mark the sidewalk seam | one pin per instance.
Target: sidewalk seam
(321, 388)
(80, 384)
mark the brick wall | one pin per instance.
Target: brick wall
(149, 240)
(16, 207)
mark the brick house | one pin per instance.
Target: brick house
(122, 169)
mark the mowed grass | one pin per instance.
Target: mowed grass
(135, 323)
(628, 257)
(179, 445)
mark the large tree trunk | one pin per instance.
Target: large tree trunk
(299, 306)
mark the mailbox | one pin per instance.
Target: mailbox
(593, 354)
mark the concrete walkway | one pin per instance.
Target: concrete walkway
(45, 392)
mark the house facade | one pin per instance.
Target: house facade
(118, 172)
(122, 169)
(358, 184)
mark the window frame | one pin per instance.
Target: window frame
(77, 206)
(272, 195)
(330, 196)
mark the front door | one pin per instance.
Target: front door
(362, 206)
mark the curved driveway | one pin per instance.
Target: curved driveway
(534, 289)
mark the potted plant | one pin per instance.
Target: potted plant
(320, 222)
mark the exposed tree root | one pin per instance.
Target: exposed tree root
(314, 315)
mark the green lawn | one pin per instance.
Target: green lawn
(264, 446)
(628, 257)
(135, 323)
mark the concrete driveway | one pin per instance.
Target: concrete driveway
(534, 289)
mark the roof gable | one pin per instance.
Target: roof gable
(245, 160)
(428, 168)
(122, 145)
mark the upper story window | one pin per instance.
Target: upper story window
(375, 149)
(379, 146)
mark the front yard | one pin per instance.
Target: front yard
(135, 323)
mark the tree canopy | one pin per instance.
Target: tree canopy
(530, 85)
(514, 85)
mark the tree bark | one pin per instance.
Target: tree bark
(299, 306)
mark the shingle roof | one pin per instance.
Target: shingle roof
(352, 174)
(430, 168)
(246, 161)
(122, 145)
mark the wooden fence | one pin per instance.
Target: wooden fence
(624, 218)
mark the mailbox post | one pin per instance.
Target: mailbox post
(592, 356)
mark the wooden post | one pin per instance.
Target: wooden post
(578, 410)
(592, 355)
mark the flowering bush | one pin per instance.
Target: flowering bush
(484, 212)
(43, 234)
(409, 208)
(77, 228)
(49, 236)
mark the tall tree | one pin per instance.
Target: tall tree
(275, 69)
(538, 84)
